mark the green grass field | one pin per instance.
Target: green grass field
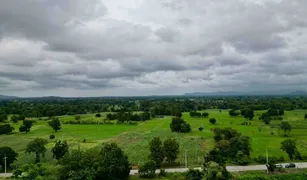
(134, 139)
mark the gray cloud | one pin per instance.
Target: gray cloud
(151, 47)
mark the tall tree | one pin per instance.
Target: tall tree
(249, 114)
(10, 155)
(171, 150)
(114, 163)
(60, 149)
(37, 146)
(290, 147)
(55, 124)
(286, 127)
(26, 126)
(156, 151)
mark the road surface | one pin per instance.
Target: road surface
(229, 168)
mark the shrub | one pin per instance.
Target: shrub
(51, 136)
(98, 115)
(148, 170)
(194, 174)
(162, 172)
(200, 128)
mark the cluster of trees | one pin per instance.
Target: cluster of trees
(9, 154)
(160, 152)
(289, 146)
(180, 125)
(129, 116)
(108, 163)
(271, 114)
(198, 114)
(26, 126)
(232, 145)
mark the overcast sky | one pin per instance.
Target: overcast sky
(151, 47)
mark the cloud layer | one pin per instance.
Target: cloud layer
(140, 47)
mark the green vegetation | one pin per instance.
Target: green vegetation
(132, 137)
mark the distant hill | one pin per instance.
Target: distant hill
(298, 93)
(3, 97)
(258, 93)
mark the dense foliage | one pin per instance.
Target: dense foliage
(9, 154)
(6, 129)
(180, 125)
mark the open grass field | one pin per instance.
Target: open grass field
(134, 139)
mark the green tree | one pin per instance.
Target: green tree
(249, 114)
(26, 126)
(171, 150)
(148, 170)
(3, 116)
(55, 124)
(14, 119)
(98, 115)
(6, 129)
(37, 146)
(114, 163)
(205, 114)
(60, 149)
(281, 112)
(271, 167)
(10, 155)
(179, 125)
(286, 127)
(156, 151)
(233, 113)
(212, 120)
(305, 117)
(289, 146)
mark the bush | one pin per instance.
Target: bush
(200, 128)
(212, 120)
(162, 172)
(51, 136)
(6, 129)
(194, 174)
(148, 170)
(98, 115)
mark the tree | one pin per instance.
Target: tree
(305, 116)
(281, 112)
(148, 170)
(171, 150)
(290, 147)
(249, 114)
(98, 115)
(14, 119)
(37, 146)
(200, 128)
(21, 117)
(212, 120)
(205, 114)
(114, 163)
(286, 127)
(59, 150)
(6, 129)
(156, 151)
(55, 124)
(3, 116)
(179, 125)
(233, 113)
(10, 155)
(26, 126)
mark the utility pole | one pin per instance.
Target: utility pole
(267, 159)
(185, 159)
(5, 163)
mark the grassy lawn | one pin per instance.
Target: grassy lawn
(134, 139)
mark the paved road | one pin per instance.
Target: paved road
(229, 168)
